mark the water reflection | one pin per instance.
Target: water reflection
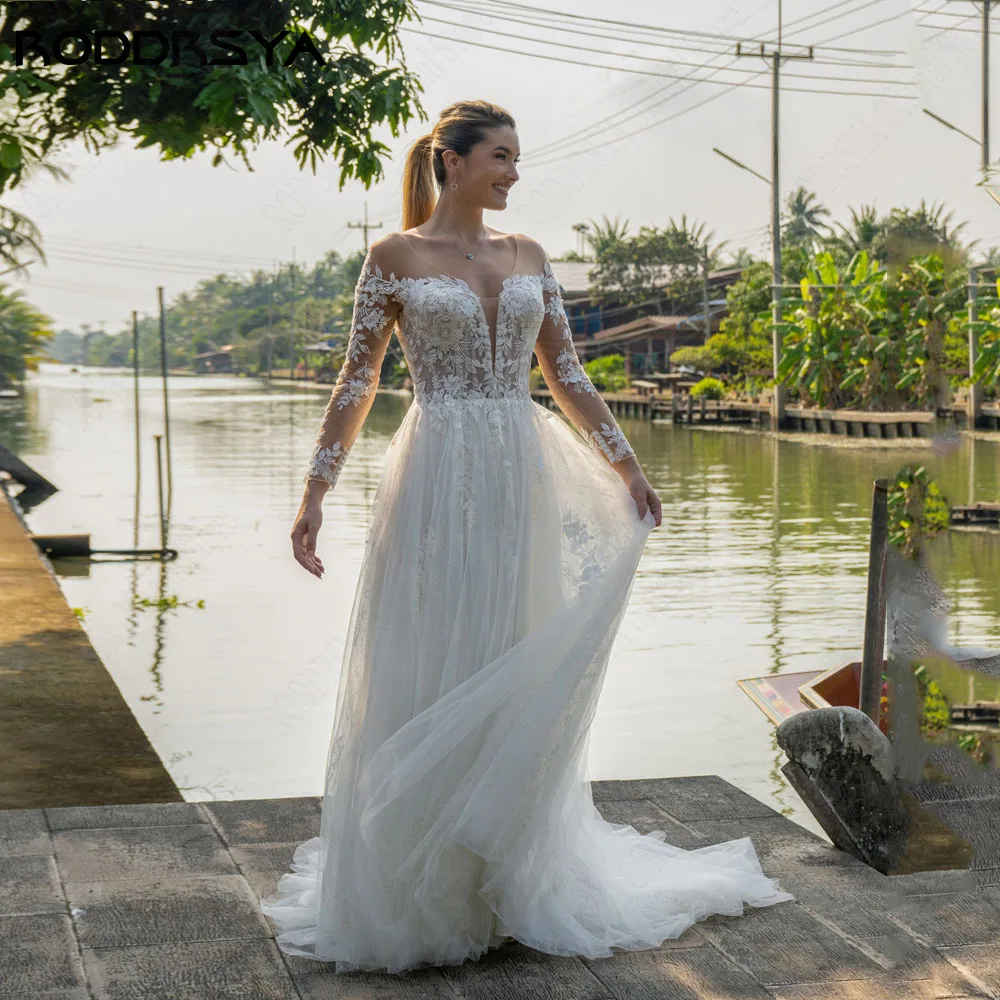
(759, 567)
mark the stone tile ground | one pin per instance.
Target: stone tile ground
(160, 902)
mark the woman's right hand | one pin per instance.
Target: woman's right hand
(304, 534)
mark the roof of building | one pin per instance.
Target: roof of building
(574, 276)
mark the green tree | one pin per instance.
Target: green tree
(331, 109)
(803, 223)
(23, 334)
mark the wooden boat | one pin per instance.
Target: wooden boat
(780, 696)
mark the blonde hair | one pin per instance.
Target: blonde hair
(460, 126)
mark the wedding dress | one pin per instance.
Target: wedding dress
(500, 557)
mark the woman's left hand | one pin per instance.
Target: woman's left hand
(645, 497)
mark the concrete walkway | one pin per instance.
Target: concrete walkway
(67, 736)
(160, 902)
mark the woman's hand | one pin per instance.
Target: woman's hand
(643, 494)
(304, 534)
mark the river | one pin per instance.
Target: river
(759, 566)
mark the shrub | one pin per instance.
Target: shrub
(607, 373)
(710, 388)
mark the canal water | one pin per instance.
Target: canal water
(229, 656)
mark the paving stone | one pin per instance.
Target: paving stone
(906, 960)
(140, 852)
(79, 994)
(781, 845)
(23, 833)
(785, 944)
(30, 885)
(263, 864)
(38, 955)
(700, 797)
(515, 972)
(107, 817)
(645, 815)
(926, 883)
(953, 919)
(869, 989)
(420, 984)
(266, 821)
(856, 901)
(979, 962)
(201, 970)
(149, 911)
(976, 820)
(675, 974)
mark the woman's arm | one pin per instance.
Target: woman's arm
(579, 399)
(376, 309)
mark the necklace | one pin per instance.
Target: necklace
(471, 256)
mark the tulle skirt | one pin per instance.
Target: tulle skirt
(457, 811)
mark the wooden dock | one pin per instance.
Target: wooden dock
(983, 513)
(160, 902)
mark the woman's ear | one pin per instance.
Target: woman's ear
(452, 161)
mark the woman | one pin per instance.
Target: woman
(499, 561)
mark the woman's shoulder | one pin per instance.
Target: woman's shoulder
(530, 250)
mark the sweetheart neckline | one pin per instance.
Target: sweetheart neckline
(491, 335)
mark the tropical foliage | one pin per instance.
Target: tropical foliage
(24, 332)
(656, 269)
(863, 338)
(918, 511)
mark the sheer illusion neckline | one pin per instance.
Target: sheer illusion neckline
(448, 274)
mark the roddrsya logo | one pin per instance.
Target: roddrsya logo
(149, 47)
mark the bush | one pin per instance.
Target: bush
(709, 388)
(702, 359)
(607, 373)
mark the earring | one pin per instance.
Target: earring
(453, 186)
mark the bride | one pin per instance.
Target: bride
(457, 812)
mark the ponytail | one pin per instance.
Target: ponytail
(419, 196)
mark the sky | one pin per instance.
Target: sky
(595, 141)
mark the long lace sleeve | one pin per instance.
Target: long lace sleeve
(569, 382)
(376, 308)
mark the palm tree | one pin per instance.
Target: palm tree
(601, 236)
(23, 332)
(865, 227)
(20, 239)
(804, 227)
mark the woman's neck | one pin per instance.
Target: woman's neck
(452, 218)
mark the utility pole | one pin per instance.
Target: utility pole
(975, 403)
(366, 225)
(775, 57)
(704, 291)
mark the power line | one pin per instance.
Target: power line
(535, 11)
(639, 72)
(653, 59)
(484, 10)
(160, 251)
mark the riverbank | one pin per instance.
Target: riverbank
(160, 902)
(67, 737)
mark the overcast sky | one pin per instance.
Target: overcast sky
(595, 141)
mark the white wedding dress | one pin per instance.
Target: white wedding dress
(457, 812)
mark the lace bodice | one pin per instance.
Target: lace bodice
(455, 357)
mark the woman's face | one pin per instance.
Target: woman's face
(488, 170)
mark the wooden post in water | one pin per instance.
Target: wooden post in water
(690, 408)
(166, 409)
(135, 394)
(874, 642)
(159, 490)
